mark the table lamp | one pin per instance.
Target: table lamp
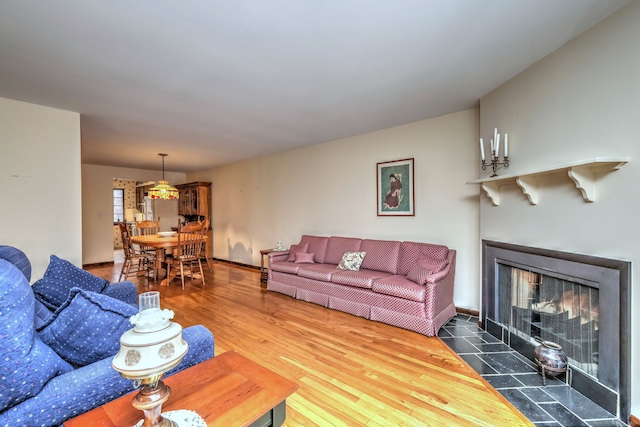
(151, 348)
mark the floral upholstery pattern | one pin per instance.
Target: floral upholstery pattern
(351, 261)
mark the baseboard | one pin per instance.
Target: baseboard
(98, 264)
(634, 421)
(239, 264)
(468, 312)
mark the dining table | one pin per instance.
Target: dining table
(160, 243)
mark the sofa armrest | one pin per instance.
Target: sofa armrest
(441, 284)
(277, 256)
(201, 347)
(71, 394)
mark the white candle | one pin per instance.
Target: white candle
(506, 145)
(495, 134)
(492, 149)
(498, 146)
(482, 149)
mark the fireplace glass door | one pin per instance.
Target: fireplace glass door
(539, 307)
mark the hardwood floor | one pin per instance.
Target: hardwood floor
(350, 371)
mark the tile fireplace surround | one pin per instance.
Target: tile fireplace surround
(518, 380)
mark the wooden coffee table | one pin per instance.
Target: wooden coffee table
(228, 390)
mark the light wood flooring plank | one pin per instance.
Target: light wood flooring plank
(350, 371)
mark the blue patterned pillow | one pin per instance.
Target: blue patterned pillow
(54, 287)
(27, 364)
(87, 327)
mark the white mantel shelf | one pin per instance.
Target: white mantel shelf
(584, 174)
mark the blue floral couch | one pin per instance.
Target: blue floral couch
(59, 337)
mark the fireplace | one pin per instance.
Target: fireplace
(531, 295)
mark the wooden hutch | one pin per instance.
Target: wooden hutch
(195, 204)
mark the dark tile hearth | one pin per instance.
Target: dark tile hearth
(518, 380)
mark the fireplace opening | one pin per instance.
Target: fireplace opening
(540, 307)
(530, 295)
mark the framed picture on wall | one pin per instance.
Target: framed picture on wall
(395, 188)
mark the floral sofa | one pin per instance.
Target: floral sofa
(59, 337)
(405, 284)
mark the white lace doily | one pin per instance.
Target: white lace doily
(183, 417)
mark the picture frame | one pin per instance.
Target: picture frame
(395, 188)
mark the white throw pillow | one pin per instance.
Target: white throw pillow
(351, 261)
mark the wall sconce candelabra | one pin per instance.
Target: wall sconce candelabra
(495, 153)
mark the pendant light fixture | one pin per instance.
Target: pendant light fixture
(163, 190)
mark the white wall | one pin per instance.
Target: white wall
(330, 189)
(97, 207)
(580, 102)
(40, 182)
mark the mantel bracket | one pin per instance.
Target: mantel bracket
(584, 174)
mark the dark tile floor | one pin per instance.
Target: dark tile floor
(517, 379)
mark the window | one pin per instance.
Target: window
(118, 205)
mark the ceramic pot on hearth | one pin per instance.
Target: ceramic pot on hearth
(551, 356)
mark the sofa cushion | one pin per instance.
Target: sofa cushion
(382, 255)
(419, 274)
(359, 279)
(351, 261)
(320, 272)
(27, 364)
(54, 287)
(410, 251)
(87, 327)
(294, 249)
(401, 287)
(317, 245)
(304, 258)
(337, 246)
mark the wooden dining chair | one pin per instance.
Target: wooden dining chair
(203, 253)
(187, 253)
(147, 228)
(200, 226)
(135, 260)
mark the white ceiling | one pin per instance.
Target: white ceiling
(213, 82)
